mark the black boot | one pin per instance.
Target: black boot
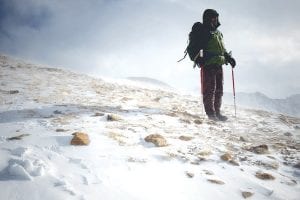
(221, 117)
(212, 117)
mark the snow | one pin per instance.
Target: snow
(51, 104)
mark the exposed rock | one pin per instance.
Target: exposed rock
(297, 165)
(113, 117)
(185, 138)
(61, 130)
(246, 194)
(19, 137)
(13, 91)
(226, 157)
(197, 121)
(208, 172)
(98, 114)
(80, 139)
(233, 162)
(156, 139)
(244, 158)
(185, 121)
(268, 165)
(264, 176)
(260, 149)
(57, 112)
(190, 174)
(297, 127)
(195, 162)
(288, 134)
(216, 181)
(243, 139)
(205, 153)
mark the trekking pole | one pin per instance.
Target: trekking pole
(201, 82)
(233, 87)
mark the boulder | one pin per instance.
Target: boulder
(260, 149)
(185, 138)
(264, 176)
(216, 181)
(247, 194)
(156, 139)
(113, 117)
(80, 139)
(226, 157)
(190, 174)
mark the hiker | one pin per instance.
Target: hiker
(214, 55)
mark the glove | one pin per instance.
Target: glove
(232, 62)
(229, 59)
(200, 60)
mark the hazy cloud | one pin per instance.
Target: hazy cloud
(120, 38)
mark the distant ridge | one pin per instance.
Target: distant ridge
(150, 81)
(257, 100)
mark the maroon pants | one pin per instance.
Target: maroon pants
(212, 88)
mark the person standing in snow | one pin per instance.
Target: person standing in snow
(214, 56)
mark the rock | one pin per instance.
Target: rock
(216, 181)
(243, 158)
(13, 91)
(226, 157)
(57, 112)
(233, 162)
(243, 139)
(288, 134)
(197, 121)
(297, 127)
(113, 117)
(267, 164)
(19, 137)
(208, 172)
(156, 139)
(98, 114)
(260, 149)
(297, 165)
(60, 130)
(185, 121)
(205, 153)
(195, 163)
(190, 174)
(264, 176)
(80, 139)
(185, 138)
(246, 194)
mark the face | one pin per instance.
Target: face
(214, 21)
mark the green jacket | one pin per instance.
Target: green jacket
(215, 49)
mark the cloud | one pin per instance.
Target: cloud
(120, 38)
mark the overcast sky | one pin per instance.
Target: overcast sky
(125, 38)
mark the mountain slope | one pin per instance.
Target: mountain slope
(41, 107)
(289, 106)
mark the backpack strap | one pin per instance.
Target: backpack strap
(185, 53)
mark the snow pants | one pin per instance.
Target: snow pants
(212, 88)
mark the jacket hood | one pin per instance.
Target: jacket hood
(208, 15)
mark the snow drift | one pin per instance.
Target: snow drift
(185, 155)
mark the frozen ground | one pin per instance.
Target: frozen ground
(44, 106)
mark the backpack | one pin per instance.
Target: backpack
(198, 39)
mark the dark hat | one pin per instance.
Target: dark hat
(208, 14)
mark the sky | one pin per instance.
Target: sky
(128, 38)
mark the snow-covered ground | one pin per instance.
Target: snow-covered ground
(203, 159)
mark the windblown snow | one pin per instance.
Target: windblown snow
(255, 155)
